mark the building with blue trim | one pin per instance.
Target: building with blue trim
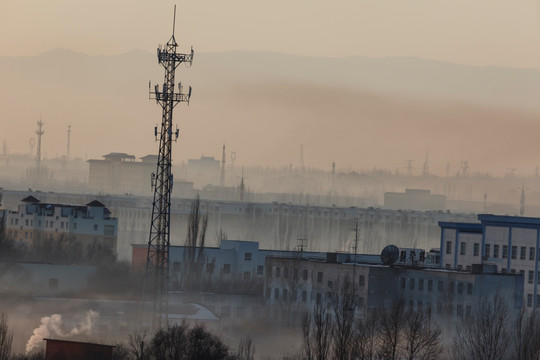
(508, 244)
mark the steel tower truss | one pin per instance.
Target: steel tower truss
(157, 262)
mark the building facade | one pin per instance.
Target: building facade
(294, 286)
(119, 173)
(35, 221)
(508, 243)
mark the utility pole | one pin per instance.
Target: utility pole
(68, 142)
(157, 261)
(222, 175)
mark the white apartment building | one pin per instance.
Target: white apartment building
(511, 243)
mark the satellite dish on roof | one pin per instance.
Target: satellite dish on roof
(389, 255)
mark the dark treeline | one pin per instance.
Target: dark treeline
(175, 342)
(339, 331)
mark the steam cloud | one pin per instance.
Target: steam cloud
(52, 326)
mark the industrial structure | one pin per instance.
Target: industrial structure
(39, 133)
(157, 262)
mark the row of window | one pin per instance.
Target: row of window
(530, 300)
(461, 310)
(305, 276)
(226, 269)
(496, 251)
(419, 285)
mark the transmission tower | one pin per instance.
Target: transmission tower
(157, 261)
(39, 133)
(425, 168)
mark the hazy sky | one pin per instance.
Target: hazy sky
(475, 32)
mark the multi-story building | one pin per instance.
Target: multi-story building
(510, 243)
(293, 286)
(89, 224)
(119, 173)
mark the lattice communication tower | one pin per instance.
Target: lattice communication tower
(157, 262)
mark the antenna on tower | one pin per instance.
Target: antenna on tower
(39, 133)
(522, 200)
(174, 20)
(157, 260)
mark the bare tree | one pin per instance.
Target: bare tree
(344, 307)
(6, 338)
(526, 336)
(317, 333)
(485, 334)
(365, 344)
(246, 349)
(391, 329)
(136, 345)
(194, 252)
(421, 339)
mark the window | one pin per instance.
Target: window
(278, 271)
(505, 252)
(226, 268)
(476, 249)
(514, 252)
(247, 275)
(176, 266)
(403, 282)
(61, 224)
(285, 294)
(295, 274)
(74, 226)
(210, 268)
(260, 270)
(537, 300)
(469, 289)
(319, 298)
(529, 300)
(448, 247)
(330, 284)
(463, 248)
(487, 249)
(495, 251)
(460, 288)
(531, 276)
(531, 253)
(27, 222)
(247, 256)
(421, 285)
(430, 285)
(451, 287)
(523, 253)
(285, 273)
(304, 296)
(108, 230)
(95, 227)
(361, 280)
(459, 310)
(538, 277)
(411, 284)
(440, 286)
(305, 275)
(276, 294)
(319, 277)
(53, 284)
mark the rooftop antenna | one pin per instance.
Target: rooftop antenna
(522, 200)
(425, 168)
(157, 261)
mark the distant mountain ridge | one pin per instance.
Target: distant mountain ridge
(361, 112)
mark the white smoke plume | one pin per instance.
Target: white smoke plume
(53, 326)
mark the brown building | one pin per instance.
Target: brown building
(74, 350)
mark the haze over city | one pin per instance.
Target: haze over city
(345, 180)
(364, 84)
